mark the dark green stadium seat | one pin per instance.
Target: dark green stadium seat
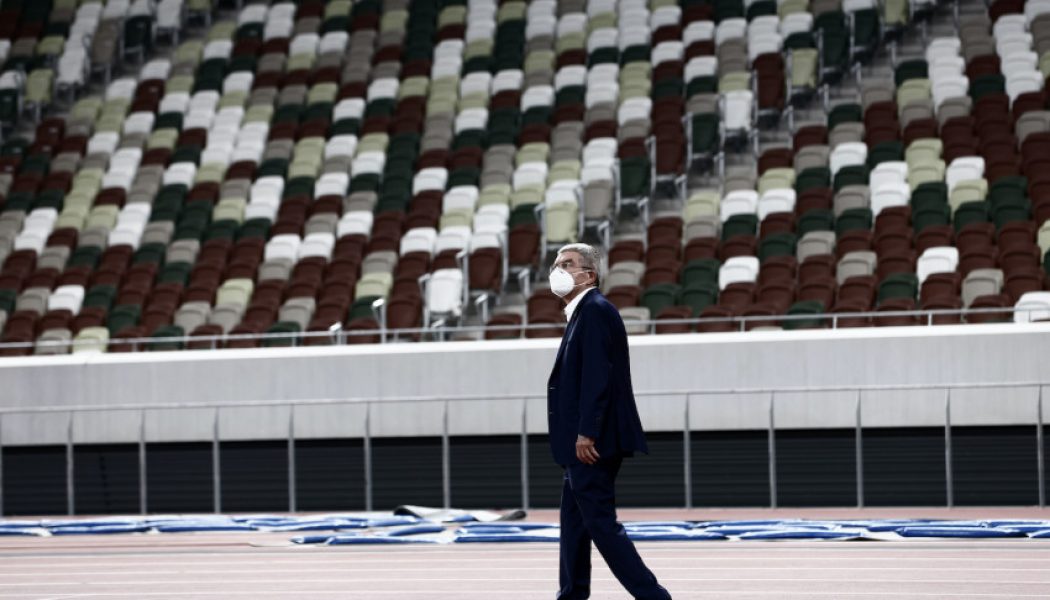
(817, 219)
(910, 69)
(777, 244)
(746, 224)
(930, 215)
(853, 218)
(166, 331)
(813, 177)
(177, 272)
(701, 270)
(851, 175)
(885, 152)
(150, 253)
(706, 139)
(287, 327)
(845, 113)
(122, 316)
(100, 296)
(1008, 210)
(634, 177)
(971, 212)
(898, 285)
(698, 295)
(804, 307)
(659, 296)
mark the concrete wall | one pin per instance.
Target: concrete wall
(503, 373)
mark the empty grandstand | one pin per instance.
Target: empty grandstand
(220, 177)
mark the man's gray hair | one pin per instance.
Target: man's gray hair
(590, 258)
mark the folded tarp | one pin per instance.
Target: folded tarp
(99, 529)
(12, 524)
(799, 534)
(740, 523)
(415, 530)
(535, 535)
(454, 515)
(190, 527)
(894, 525)
(651, 524)
(316, 526)
(348, 539)
(671, 534)
(12, 531)
(311, 539)
(57, 523)
(1040, 534)
(501, 528)
(741, 530)
(958, 532)
(342, 540)
(1027, 526)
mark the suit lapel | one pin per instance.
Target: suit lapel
(569, 330)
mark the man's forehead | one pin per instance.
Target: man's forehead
(567, 255)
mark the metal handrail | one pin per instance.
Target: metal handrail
(687, 395)
(828, 320)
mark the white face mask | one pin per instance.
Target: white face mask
(562, 282)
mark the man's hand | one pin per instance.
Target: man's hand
(585, 450)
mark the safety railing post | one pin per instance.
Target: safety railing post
(1040, 448)
(446, 467)
(524, 450)
(859, 451)
(687, 456)
(1, 466)
(772, 450)
(292, 493)
(70, 491)
(142, 463)
(949, 481)
(216, 466)
(367, 447)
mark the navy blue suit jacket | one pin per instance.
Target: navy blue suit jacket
(589, 392)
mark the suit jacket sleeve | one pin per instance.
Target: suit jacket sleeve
(596, 370)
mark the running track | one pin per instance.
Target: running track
(265, 566)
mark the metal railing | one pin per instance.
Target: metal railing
(444, 332)
(446, 465)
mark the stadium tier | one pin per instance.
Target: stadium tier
(200, 176)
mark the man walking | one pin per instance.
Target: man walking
(594, 424)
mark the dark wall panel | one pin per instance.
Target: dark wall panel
(330, 475)
(106, 478)
(179, 477)
(654, 479)
(254, 476)
(904, 466)
(730, 468)
(816, 467)
(406, 471)
(545, 477)
(34, 480)
(486, 471)
(644, 480)
(995, 466)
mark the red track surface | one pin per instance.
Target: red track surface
(266, 566)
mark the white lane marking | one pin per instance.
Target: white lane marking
(432, 595)
(459, 579)
(408, 569)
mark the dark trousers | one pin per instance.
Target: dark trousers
(588, 513)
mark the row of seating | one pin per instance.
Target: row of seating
(820, 199)
(313, 164)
